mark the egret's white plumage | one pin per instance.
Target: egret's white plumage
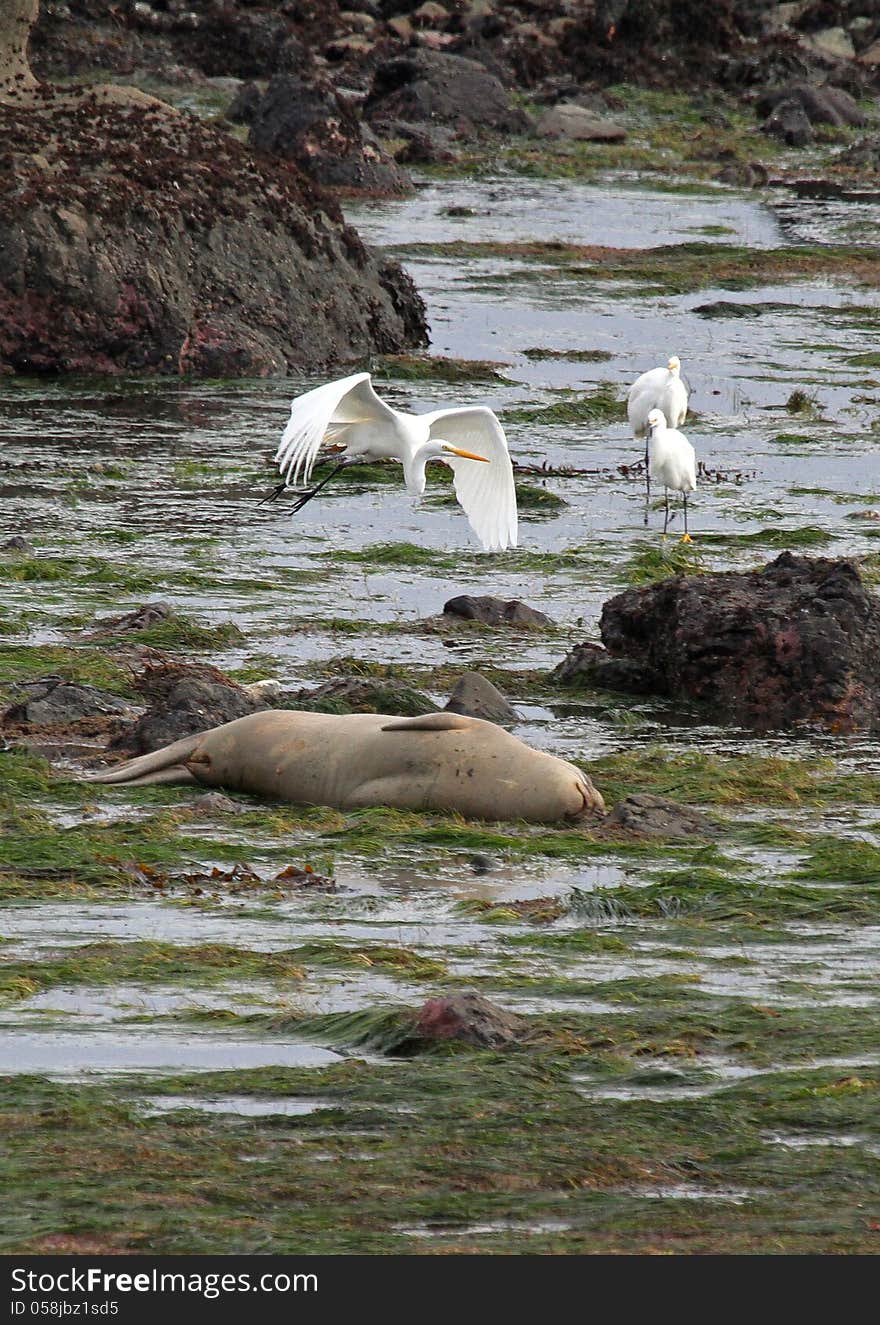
(348, 415)
(671, 461)
(661, 388)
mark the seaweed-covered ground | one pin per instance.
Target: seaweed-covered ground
(202, 1055)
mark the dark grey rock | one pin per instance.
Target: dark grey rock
(53, 702)
(789, 122)
(443, 89)
(589, 665)
(495, 611)
(821, 105)
(185, 700)
(654, 816)
(244, 105)
(476, 697)
(306, 121)
(18, 543)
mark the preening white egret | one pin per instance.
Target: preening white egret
(347, 418)
(672, 462)
(663, 389)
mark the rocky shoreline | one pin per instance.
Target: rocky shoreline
(136, 237)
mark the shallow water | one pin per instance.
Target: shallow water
(165, 476)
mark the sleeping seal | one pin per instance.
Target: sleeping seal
(441, 761)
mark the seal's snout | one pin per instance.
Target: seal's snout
(591, 798)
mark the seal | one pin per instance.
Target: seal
(440, 761)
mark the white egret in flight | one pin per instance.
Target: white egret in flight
(672, 462)
(349, 420)
(663, 389)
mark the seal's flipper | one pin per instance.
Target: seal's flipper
(176, 773)
(169, 760)
(430, 722)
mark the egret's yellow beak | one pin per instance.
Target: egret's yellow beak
(468, 455)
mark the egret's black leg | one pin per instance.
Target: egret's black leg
(666, 520)
(276, 492)
(647, 483)
(304, 497)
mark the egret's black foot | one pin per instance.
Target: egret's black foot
(275, 493)
(303, 498)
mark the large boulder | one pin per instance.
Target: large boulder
(184, 699)
(797, 641)
(137, 238)
(308, 122)
(443, 89)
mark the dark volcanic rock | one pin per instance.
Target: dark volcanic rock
(654, 816)
(53, 702)
(185, 699)
(591, 665)
(307, 121)
(356, 694)
(789, 122)
(471, 1018)
(475, 697)
(821, 105)
(798, 640)
(244, 104)
(443, 89)
(18, 543)
(495, 611)
(134, 237)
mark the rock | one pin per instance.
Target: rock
(744, 174)
(654, 816)
(788, 121)
(244, 104)
(576, 122)
(355, 694)
(443, 89)
(495, 611)
(866, 152)
(184, 699)
(214, 802)
(139, 619)
(423, 146)
(430, 15)
(797, 641)
(832, 43)
(401, 27)
(137, 238)
(480, 863)
(471, 1018)
(53, 702)
(589, 665)
(475, 697)
(309, 123)
(822, 105)
(266, 690)
(871, 55)
(20, 545)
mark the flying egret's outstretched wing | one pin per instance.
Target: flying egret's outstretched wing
(486, 492)
(323, 415)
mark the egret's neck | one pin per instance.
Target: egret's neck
(414, 467)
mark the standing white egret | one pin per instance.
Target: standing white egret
(348, 417)
(672, 462)
(663, 389)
